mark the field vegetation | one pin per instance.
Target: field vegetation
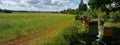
(16, 25)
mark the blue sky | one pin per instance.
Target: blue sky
(39, 5)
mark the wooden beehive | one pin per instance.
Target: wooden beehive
(108, 31)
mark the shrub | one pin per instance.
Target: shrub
(90, 14)
(115, 16)
(75, 35)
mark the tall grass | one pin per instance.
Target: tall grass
(19, 24)
(55, 39)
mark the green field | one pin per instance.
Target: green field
(47, 29)
(16, 25)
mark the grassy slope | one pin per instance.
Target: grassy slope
(19, 24)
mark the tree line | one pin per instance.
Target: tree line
(97, 8)
(81, 8)
(5, 11)
(105, 6)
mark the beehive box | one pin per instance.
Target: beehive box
(108, 31)
(93, 28)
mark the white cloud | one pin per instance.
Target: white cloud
(8, 2)
(39, 5)
(86, 1)
(60, 1)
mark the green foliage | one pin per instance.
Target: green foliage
(100, 14)
(96, 4)
(90, 14)
(75, 35)
(5, 11)
(56, 38)
(115, 16)
(93, 4)
(69, 11)
(82, 7)
(105, 5)
(117, 1)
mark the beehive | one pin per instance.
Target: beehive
(107, 31)
(93, 28)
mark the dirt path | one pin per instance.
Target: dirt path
(42, 32)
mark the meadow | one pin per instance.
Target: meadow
(16, 25)
(47, 29)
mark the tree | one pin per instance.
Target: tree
(103, 4)
(1, 10)
(117, 2)
(89, 13)
(115, 16)
(69, 11)
(82, 7)
(7, 11)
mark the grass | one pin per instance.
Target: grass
(55, 39)
(15, 25)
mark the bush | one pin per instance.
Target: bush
(90, 14)
(75, 35)
(115, 16)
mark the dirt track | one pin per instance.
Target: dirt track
(41, 33)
